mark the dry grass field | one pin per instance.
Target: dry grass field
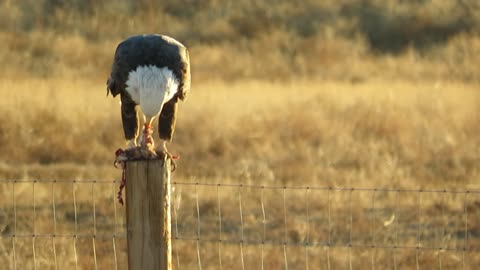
(364, 94)
(375, 133)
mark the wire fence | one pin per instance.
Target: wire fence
(80, 224)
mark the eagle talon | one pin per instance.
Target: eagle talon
(120, 157)
(173, 164)
(171, 157)
(172, 160)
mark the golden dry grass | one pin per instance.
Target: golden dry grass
(322, 132)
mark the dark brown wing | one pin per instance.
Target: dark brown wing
(184, 74)
(145, 50)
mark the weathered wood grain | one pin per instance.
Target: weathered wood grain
(148, 215)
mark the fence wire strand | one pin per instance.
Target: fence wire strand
(285, 228)
(34, 228)
(264, 222)
(465, 242)
(94, 232)
(219, 206)
(395, 224)
(329, 227)
(54, 217)
(176, 205)
(114, 202)
(419, 206)
(76, 225)
(307, 237)
(445, 220)
(241, 227)
(372, 228)
(14, 227)
(198, 227)
(350, 228)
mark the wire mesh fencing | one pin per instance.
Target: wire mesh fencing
(81, 225)
(61, 225)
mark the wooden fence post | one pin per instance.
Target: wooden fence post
(148, 215)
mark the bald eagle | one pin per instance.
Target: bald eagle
(150, 73)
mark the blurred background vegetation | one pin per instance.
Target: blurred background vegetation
(386, 91)
(348, 40)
